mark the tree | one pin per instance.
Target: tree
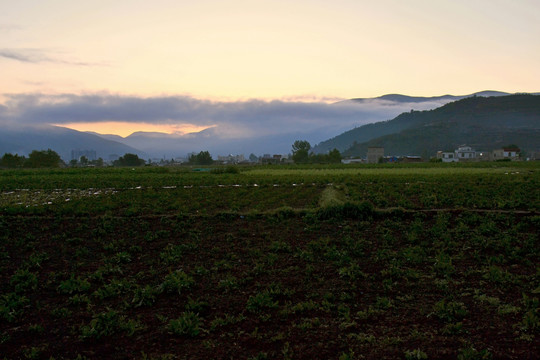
(12, 161)
(334, 156)
(43, 158)
(202, 158)
(98, 162)
(300, 150)
(301, 145)
(129, 160)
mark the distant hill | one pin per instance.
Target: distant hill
(418, 99)
(370, 131)
(484, 123)
(22, 140)
(161, 145)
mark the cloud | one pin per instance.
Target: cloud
(230, 121)
(36, 56)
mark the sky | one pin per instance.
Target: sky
(215, 54)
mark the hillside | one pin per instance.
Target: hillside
(22, 140)
(373, 130)
(482, 122)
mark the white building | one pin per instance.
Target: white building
(447, 156)
(465, 153)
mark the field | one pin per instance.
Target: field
(419, 261)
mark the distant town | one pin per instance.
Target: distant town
(300, 154)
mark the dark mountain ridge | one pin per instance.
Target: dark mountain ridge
(22, 140)
(485, 123)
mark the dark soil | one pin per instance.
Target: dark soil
(287, 285)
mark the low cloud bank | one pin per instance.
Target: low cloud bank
(232, 122)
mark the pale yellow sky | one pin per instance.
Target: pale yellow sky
(276, 49)
(270, 49)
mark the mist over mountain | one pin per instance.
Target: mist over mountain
(242, 127)
(22, 140)
(161, 145)
(485, 123)
(373, 130)
(275, 126)
(420, 99)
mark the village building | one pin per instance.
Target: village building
(507, 153)
(447, 156)
(272, 159)
(231, 159)
(374, 153)
(465, 153)
(462, 153)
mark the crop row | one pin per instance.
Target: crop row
(351, 281)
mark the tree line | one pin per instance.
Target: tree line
(36, 159)
(50, 159)
(301, 154)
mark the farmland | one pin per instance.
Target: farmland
(294, 262)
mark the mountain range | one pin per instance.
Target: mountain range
(376, 129)
(484, 120)
(22, 140)
(485, 123)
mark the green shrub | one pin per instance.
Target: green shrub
(470, 353)
(108, 323)
(348, 210)
(24, 280)
(188, 324)
(104, 324)
(443, 265)
(176, 282)
(416, 354)
(12, 306)
(73, 285)
(260, 301)
(144, 296)
(450, 311)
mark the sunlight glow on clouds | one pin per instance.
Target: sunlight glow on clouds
(127, 128)
(181, 115)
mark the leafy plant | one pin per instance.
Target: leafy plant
(24, 280)
(188, 324)
(470, 353)
(176, 282)
(172, 253)
(450, 311)
(74, 284)
(227, 319)
(415, 354)
(197, 306)
(144, 296)
(12, 306)
(106, 324)
(443, 265)
(260, 301)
